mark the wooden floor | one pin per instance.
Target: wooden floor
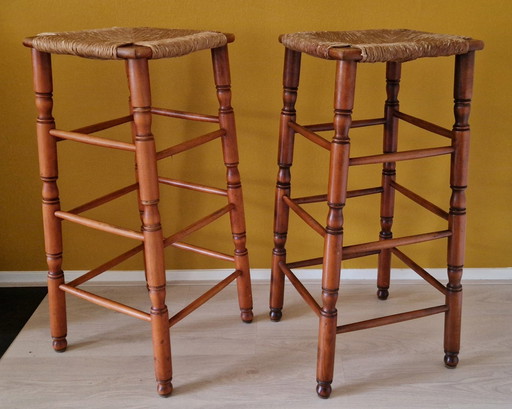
(219, 362)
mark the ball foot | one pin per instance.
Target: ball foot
(164, 388)
(275, 314)
(323, 389)
(451, 359)
(247, 316)
(383, 294)
(59, 344)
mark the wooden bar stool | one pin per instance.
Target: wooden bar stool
(136, 46)
(349, 49)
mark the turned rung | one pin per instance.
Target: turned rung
(319, 260)
(313, 137)
(92, 140)
(420, 200)
(193, 186)
(106, 303)
(106, 266)
(109, 228)
(104, 199)
(203, 251)
(304, 216)
(420, 271)
(185, 146)
(204, 298)
(359, 123)
(104, 125)
(197, 225)
(305, 294)
(398, 156)
(350, 193)
(391, 319)
(420, 123)
(184, 115)
(390, 243)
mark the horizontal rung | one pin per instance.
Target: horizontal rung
(420, 200)
(390, 243)
(424, 124)
(104, 125)
(206, 252)
(398, 156)
(185, 146)
(193, 186)
(106, 266)
(391, 319)
(184, 115)
(358, 123)
(93, 140)
(204, 298)
(350, 193)
(104, 199)
(197, 225)
(313, 137)
(105, 302)
(305, 294)
(120, 231)
(319, 260)
(420, 271)
(305, 216)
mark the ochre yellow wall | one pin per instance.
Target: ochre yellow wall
(91, 91)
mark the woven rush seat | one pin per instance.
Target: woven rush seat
(105, 43)
(379, 45)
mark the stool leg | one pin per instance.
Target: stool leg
(336, 197)
(387, 205)
(283, 187)
(138, 77)
(47, 147)
(222, 79)
(463, 90)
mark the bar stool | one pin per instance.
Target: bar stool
(136, 46)
(350, 48)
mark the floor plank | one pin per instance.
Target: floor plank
(219, 362)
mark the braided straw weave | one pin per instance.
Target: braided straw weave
(103, 43)
(378, 45)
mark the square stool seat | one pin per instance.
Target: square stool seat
(116, 42)
(381, 45)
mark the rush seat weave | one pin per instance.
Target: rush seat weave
(378, 45)
(104, 43)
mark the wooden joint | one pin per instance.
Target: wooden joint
(279, 252)
(331, 314)
(55, 275)
(457, 211)
(152, 227)
(158, 311)
(454, 288)
(144, 137)
(54, 201)
(239, 236)
(330, 291)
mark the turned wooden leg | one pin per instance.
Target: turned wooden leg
(47, 147)
(457, 218)
(138, 77)
(222, 77)
(387, 204)
(336, 198)
(283, 187)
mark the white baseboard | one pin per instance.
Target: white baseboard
(35, 278)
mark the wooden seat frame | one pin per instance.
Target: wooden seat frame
(387, 245)
(147, 185)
